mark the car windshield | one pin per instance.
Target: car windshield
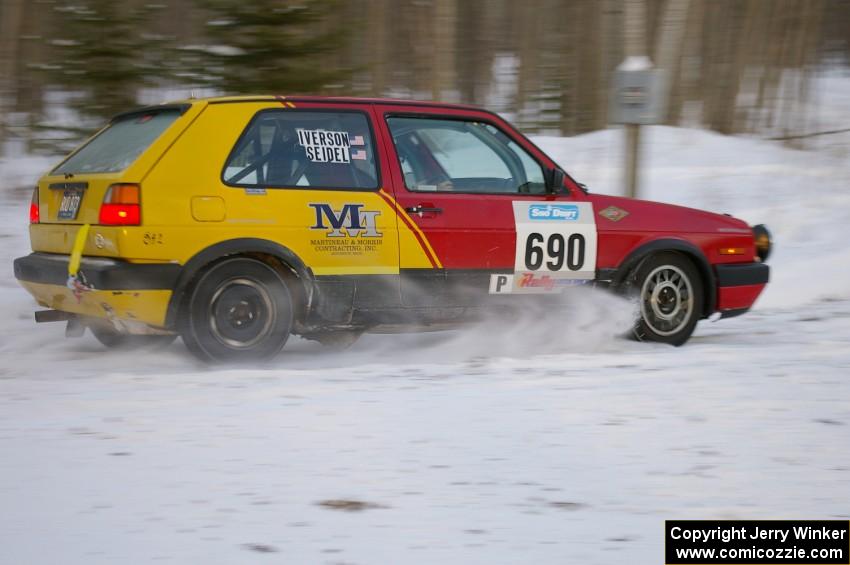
(120, 144)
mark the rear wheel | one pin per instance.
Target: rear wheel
(670, 293)
(240, 309)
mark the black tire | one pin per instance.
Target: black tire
(669, 291)
(113, 339)
(239, 309)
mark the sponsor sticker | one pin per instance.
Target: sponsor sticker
(562, 212)
(501, 284)
(613, 213)
(555, 238)
(323, 146)
(528, 282)
(349, 230)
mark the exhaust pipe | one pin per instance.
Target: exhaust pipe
(44, 316)
(75, 327)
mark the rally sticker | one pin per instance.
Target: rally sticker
(527, 282)
(323, 146)
(555, 248)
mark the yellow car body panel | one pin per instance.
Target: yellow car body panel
(144, 306)
(187, 208)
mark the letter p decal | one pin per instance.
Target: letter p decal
(501, 284)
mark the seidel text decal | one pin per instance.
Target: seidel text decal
(325, 146)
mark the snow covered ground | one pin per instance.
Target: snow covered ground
(564, 444)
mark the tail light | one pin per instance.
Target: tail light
(121, 205)
(34, 213)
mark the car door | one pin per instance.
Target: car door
(474, 194)
(311, 177)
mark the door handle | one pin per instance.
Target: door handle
(422, 209)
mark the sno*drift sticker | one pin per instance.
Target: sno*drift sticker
(562, 212)
(325, 146)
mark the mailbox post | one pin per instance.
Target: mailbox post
(636, 100)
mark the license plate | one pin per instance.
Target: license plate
(70, 205)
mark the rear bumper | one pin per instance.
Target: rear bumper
(738, 286)
(116, 290)
(98, 273)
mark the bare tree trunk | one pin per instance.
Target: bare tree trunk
(609, 30)
(377, 11)
(815, 31)
(588, 55)
(775, 57)
(568, 67)
(418, 43)
(478, 26)
(527, 17)
(445, 25)
(795, 93)
(788, 59)
(722, 78)
(749, 60)
(669, 47)
(11, 20)
(635, 30)
(685, 84)
(743, 25)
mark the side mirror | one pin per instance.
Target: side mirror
(555, 181)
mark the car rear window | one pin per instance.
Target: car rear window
(303, 148)
(120, 144)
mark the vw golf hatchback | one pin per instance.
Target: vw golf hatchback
(237, 222)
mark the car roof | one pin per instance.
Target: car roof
(183, 104)
(327, 99)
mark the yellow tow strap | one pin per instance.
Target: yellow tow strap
(77, 250)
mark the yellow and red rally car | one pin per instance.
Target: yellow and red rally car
(236, 222)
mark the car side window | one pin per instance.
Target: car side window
(293, 148)
(462, 156)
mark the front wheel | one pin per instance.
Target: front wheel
(239, 309)
(670, 294)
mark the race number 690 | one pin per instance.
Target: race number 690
(555, 251)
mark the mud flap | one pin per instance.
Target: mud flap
(75, 327)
